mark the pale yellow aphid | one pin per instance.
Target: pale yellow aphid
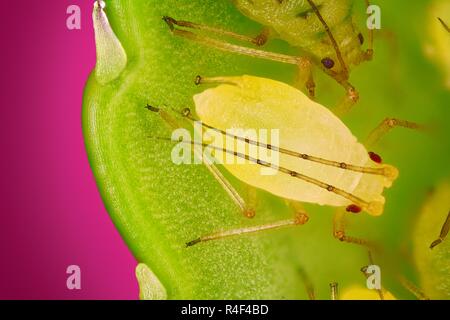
(326, 164)
(361, 293)
(437, 46)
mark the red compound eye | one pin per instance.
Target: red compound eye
(375, 157)
(353, 208)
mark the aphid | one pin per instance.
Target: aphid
(323, 31)
(320, 161)
(444, 232)
(437, 45)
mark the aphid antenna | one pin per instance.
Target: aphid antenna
(373, 207)
(387, 171)
(446, 27)
(334, 291)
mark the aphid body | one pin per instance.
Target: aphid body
(304, 126)
(296, 22)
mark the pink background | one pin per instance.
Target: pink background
(51, 212)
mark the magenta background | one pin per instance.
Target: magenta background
(51, 212)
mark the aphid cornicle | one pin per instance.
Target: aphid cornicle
(320, 160)
(324, 32)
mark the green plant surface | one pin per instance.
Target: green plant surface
(158, 206)
(433, 264)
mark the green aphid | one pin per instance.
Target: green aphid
(325, 33)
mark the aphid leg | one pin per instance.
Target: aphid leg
(369, 52)
(299, 219)
(295, 206)
(247, 208)
(311, 86)
(260, 40)
(446, 27)
(334, 292)
(339, 226)
(364, 270)
(199, 80)
(358, 204)
(387, 125)
(344, 67)
(305, 78)
(444, 232)
(390, 38)
(308, 284)
(350, 99)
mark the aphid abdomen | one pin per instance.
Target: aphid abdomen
(304, 126)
